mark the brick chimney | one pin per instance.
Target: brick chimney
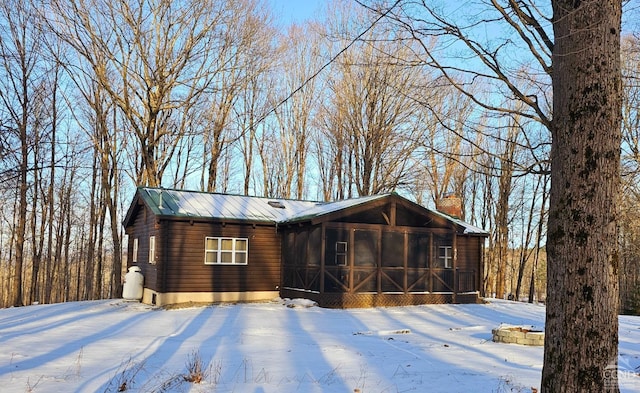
(450, 205)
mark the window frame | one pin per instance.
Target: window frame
(134, 252)
(219, 252)
(344, 254)
(152, 249)
(447, 258)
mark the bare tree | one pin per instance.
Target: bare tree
(45, 114)
(96, 115)
(630, 198)
(506, 159)
(534, 217)
(290, 137)
(330, 145)
(252, 108)
(372, 110)
(20, 61)
(447, 42)
(493, 184)
(153, 58)
(241, 44)
(444, 157)
(253, 104)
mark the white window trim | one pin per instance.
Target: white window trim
(344, 254)
(234, 252)
(152, 249)
(134, 256)
(445, 254)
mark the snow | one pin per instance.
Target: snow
(185, 203)
(281, 346)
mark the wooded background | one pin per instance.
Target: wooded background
(99, 96)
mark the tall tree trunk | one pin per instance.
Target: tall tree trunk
(505, 188)
(37, 236)
(52, 275)
(65, 260)
(8, 299)
(91, 241)
(116, 235)
(22, 212)
(541, 221)
(248, 158)
(79, 263)
(50, 190)
(525, 253)
(3, 269)
(97, 286)
(581, 343)
(66, 219)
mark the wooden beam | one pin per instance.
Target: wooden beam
(386, 218)
(351, 262)
(405, 279)
(323, 253)
(430, 259)
(393, 213)
(379, 261)
(455, 266)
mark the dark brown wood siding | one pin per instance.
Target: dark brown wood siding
(469, 262)
(184, 254)
(469, 252)
(144, 226)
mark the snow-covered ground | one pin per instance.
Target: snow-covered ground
(112, 345)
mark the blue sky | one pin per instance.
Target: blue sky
(289, 11)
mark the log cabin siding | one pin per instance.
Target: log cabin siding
(395, 252)
(143, 227)
(184, 256)
(469, 256)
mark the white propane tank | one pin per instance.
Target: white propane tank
(132, 288)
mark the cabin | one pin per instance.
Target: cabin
(381, 250)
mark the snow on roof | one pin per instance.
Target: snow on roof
(197, 204)
(213, 205)
(468, 228)
(330, 207)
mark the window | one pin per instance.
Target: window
(225, 251)
(152, 249)
(335, 242)
(135, 251)
(445, 256)
(341, 253)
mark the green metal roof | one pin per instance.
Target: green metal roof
(194, 204)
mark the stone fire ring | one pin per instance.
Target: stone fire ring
(523, 335)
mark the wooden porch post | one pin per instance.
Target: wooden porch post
(455, 267)
(405, 279)
(352, 255)
(323, 254)
(479, 283)
(379, 262)
(430, 261)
